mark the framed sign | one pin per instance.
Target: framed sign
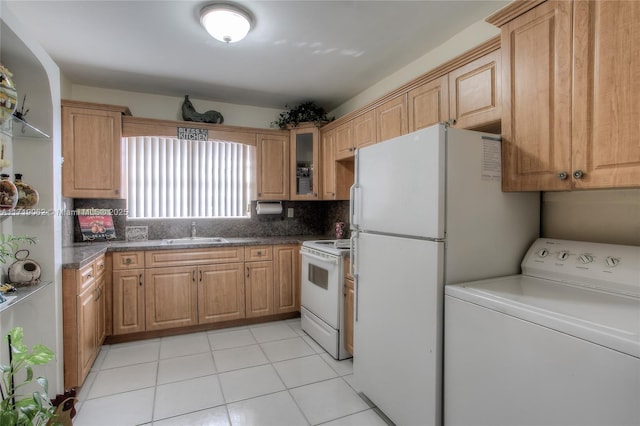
(96, 227)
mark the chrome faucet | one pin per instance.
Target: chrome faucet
(193, 229)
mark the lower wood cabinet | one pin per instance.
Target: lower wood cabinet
(128, 292)
(162, 289)
(349, 307)
(171, 297)
(286, 276)
(221, 293)
(84, 319)
(349, 301)
(259, 288)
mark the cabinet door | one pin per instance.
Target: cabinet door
(87, 331)
(536, 106)
(349, 303)
(328, 164)
(474, 92)
(286, 278)
(259, 289)
(364, 129)
(429, 104)
(221, 293)
(171, 297)
(391, 118)
(128, 301)
(92, 151)
(304, 162)
(344, 141)
(273, 167)
(606, 95)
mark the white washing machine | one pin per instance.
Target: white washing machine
(557, 345)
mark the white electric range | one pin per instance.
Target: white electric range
(322, 301)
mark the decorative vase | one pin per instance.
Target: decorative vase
(8, 95)
(27, 195)
(8, 193)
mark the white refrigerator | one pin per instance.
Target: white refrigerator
(426, 210)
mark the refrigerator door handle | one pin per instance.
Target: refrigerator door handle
(353, 211)
(353, 195)
(353, 270)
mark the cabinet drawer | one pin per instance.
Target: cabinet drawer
(257, 253)
(163, 258)
(87, 276)
(128, 260)
(100, 266)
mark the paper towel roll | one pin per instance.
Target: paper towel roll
(269, 208)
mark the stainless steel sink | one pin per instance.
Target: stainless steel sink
(194, 240)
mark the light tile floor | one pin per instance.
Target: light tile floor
(265, 374)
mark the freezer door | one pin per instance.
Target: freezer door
(401, 178)
(398, 332)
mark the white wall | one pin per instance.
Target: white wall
(606, 216)
(467, 39)
(169, 107)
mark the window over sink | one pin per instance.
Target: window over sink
(177, 178)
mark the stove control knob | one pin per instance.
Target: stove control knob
(543, 253)
(563, 255)
(611, 261)
(585, 258)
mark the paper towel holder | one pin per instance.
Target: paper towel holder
(269, 207)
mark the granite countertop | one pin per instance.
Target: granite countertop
(80, 254)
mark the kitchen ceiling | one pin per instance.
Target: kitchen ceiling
(326, 51)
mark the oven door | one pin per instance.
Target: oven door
(322, 285)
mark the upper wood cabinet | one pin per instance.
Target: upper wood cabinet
(364, 130)
(429, 104)
(92, 149)
(391, 118)
(305, 155)
(570, 90)
(273, 166)
(606, 97)
(536, 106)
(328, 155)
(344, 142)
(475, 92)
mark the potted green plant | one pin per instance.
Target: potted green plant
(9, 245)
(305, 112)
(16, 408)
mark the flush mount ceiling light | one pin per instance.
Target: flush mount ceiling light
(226, 22)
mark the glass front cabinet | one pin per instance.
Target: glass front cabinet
(305, 162)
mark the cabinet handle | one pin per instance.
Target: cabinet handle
(259, 253)
(247, 272)
(140, 280)
(578, 174)
(200, 276)
(127, 260)
(451, 121)
(563, 175)
(193, 275)
(101, 266)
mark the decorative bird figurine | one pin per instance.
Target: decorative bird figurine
(189, 113)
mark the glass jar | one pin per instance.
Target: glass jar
(28, 197)
(8, 193)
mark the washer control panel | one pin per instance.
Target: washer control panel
(606, 267)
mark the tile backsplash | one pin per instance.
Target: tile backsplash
(309, 218)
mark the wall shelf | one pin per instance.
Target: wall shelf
(15, 127)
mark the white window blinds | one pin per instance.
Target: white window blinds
(173, 178)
